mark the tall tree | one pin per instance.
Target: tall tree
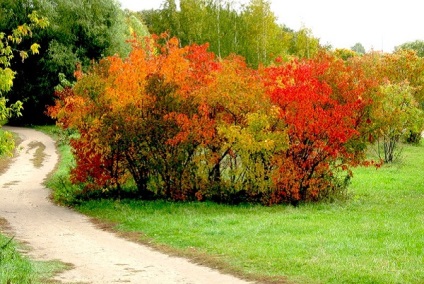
(261, 32)
(359, 48)
(304, 44)
(193, 20)
(166, 19)
(251, 31)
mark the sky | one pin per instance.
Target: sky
(376, 24)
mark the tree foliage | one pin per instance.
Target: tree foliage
(80, 31)
(7, 75)
(417, 46)
(396, 113)
(394, 70)
(251, 31)
(321, 102)
(344, 53)
(358, 48)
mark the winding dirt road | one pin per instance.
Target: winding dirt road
(57, 233)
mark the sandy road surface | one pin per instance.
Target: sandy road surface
(54, 232)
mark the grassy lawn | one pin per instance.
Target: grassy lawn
(377, 236)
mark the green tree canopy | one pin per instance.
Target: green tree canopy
(417, 46)
(395, 110)
(250, 30)
(359, 48)
(80, 31)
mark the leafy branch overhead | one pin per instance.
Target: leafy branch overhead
(8, 45)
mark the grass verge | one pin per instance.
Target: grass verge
(63, 191)
(374, 237)
(15, 267)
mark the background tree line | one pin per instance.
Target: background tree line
(251, 31)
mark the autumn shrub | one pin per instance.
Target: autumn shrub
(130, 114)
(398, 70)
(180, 124)
(397, 117)
(321, 103)
(239, 160)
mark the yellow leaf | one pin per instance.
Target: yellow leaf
(34, 48)
(24, 55)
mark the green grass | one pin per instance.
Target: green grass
(17, 268)
(63, 190)
(14, 268)
(376, 236)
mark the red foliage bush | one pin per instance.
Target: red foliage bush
(321, 103)
(183, 125)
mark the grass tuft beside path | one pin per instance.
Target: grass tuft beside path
(15, 267)
(376, 236)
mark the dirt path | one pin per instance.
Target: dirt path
(54, 232)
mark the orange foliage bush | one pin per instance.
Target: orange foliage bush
(183, 125)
